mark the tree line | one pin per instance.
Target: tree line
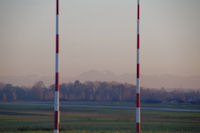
(96, 91)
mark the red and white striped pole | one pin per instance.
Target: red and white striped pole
(138, 70)
(56, 97)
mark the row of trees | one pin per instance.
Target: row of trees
(96, 91)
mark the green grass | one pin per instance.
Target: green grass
(39, 119)
(85, 131)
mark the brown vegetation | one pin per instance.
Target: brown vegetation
(96, 91)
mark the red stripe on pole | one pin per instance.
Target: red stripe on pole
(138, 70)
(57, 82)
(56, 124)
(138, 41)
(57, 43)
(138, 127)
(57, 7)
(138, 100)
(138, 11)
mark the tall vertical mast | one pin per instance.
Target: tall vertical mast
(56, 101)
(138, 70)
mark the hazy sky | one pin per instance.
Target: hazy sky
(99, 35)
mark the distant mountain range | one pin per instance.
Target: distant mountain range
(147, 81)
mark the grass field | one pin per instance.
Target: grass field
(39, 119)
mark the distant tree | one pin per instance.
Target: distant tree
(96, 91)
(37, 90)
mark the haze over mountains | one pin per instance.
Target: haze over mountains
(147, 81)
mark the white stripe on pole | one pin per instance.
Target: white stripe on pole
(138, 114)
(55, 131)
(56, 101)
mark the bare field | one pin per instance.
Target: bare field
(35, 118)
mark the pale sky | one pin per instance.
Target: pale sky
(99, 35)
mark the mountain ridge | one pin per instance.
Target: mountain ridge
(147, 81)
